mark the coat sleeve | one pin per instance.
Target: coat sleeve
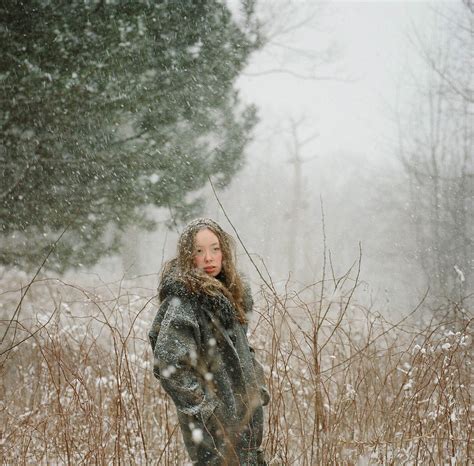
(176, 360)
(154, 332)
(260, 374)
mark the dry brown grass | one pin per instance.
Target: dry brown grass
(347, 386)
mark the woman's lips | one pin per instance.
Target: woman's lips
(209, 269)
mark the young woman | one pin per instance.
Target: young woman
(201, 353)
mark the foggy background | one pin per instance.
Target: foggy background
(334, 87)
(363, 143)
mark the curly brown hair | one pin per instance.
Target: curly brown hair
(228, 282)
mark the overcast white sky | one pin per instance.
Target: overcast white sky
(374, 54)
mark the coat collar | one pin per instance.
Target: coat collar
(218, 305)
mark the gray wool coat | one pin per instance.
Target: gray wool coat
(204, 362)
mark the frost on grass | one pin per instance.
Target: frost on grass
(398, 396)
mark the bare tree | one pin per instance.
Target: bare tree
(296, 146)
(280, 21)
(435, 148)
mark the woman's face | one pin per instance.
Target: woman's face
(207, 252)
